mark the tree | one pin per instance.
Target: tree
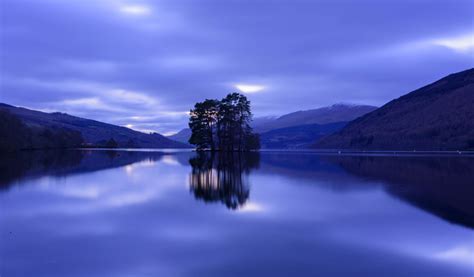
(14, 133)
(111, 143)
(203, 123)
(223, 125)
(252, 142)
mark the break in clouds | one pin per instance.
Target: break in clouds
(143, 64)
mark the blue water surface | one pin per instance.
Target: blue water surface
(180, 213)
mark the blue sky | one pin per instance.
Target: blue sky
(143, 64)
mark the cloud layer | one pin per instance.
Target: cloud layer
(144, 63)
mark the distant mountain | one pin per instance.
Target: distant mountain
(262, 121)
(439, 116)
(182, 136)
(93, 132)
(308, 125)
(325, 115)
(302, 136)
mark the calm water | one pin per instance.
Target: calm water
(124, 213)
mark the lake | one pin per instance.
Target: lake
(179, 213)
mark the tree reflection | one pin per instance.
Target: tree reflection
(222, 177)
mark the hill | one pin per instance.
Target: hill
(439, 116)
(324, 115)
(302, 136)
(15, 135)
(182, 136)
(94, 133)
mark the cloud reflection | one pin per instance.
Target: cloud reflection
(83, 207)
(463, 254)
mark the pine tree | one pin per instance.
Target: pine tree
(203, 121)
(223, 125)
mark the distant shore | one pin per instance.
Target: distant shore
(317, 151)
(376, 152)
(346, 152)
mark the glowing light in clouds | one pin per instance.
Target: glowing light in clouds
(135, 9)
(249, 88)
(460, 254)
(463, 43)
(251, 207)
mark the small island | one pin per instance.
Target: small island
(223, 125)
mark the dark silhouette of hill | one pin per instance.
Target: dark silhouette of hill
(301, 136)
(439, 116)
(182, 136)
(94, 133)
(16, 135)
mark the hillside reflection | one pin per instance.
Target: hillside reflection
(16, 167)
(440, 185)
(443, 186)
(222, 177)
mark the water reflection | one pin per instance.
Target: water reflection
(103, 213)
(440, 185)
(17, 167)
(443, 186)
(222, 177)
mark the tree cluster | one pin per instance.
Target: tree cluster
(15, 135)
(223, 125)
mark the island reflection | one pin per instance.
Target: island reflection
(439, 185)
(222, 177)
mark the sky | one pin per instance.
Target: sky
(143, 64)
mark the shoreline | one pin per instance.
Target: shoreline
(343, 152)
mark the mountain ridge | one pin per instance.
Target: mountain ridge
(330, 114)
(297, 137)
(438, 116)
(95, 133)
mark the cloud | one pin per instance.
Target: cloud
(247, 88)
(93, 103)
(160, 57)
(463, 254)
(461, 43)
(85, 67)
(159, 114)
(131, 97)
(138, 10)
(100, 92)
(251, 207)
(190, 62)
